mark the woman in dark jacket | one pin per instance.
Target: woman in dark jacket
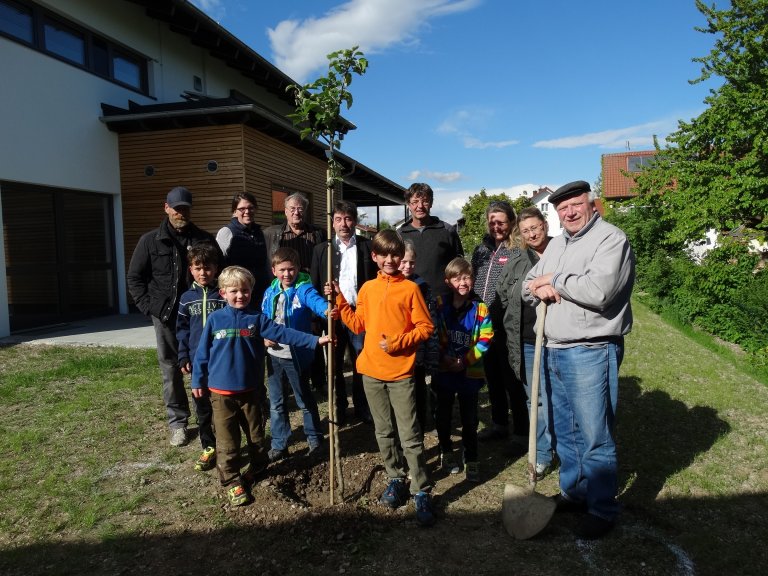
(505, 390)
(242, 243)
(519, 326)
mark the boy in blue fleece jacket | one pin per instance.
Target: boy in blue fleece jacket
(194, 307)
(229, 364)
(290, 300)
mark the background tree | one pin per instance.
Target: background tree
(717, 163)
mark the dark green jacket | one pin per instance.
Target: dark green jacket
(508, 291)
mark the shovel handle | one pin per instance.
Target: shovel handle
(541, 313)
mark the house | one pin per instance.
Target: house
(106, 106)
(618, 168)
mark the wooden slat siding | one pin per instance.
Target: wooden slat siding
(272, 165)
(179, 157)
(249, 160)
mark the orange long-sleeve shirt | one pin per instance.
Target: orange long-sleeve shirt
(390, 306)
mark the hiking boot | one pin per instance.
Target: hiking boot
(395, 494)
(238, 495)
(424, 513)
(179, 436)
(207, 460)
(449, 464)
(315, 451)
(543, 470)
(592, 527)
(277, 455)
(473, 472)
(492, 434)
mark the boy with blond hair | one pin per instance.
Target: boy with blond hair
(229, 365)
(392, 312)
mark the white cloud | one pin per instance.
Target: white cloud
(300, 46)
(465, 123)
(640, 136)
(471, 142)
(214, 8)
(445, 177)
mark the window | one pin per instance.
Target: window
(16, 21)
(544, 207)
(637, 163)
(63, 41)
(69, 42)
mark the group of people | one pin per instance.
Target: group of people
(423, 326)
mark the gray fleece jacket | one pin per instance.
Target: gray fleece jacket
(594, 271)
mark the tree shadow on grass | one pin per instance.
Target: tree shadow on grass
(658, 436)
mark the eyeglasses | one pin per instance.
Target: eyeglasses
(245, 209)
(532, 229)
(419, 202)
(296, 209)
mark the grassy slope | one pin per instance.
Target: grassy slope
(693, 442)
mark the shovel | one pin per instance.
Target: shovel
(524, 512)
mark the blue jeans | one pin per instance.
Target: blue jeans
(585, 385)
(544, 447)
(278, 411)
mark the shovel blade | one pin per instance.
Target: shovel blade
(524, 512)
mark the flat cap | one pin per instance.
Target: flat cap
(179, 196)
(568, 190)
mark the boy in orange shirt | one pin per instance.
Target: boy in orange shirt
(392, 313)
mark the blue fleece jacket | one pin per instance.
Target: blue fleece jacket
(195, 305)
(230, 356)
(301, 300)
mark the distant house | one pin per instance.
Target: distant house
(106, 106)
(618, 169)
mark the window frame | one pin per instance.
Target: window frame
(92, 41)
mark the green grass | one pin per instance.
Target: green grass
(86, 463)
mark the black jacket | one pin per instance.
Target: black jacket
(159, 274)
(366, 267)
(245, 246)
(436, 244)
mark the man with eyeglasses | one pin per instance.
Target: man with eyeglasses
(586, 277)
(242, 242)
(157, 277)
(295, 232)
(436, 241)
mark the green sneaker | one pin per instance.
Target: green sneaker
(238, 496)
(207, 460)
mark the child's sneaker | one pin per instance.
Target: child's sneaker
(473, 471)
(395, 495)
(449, 464)
(238, 495)
(207, 460)
(424, 514)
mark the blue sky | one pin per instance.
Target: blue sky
(508, 95)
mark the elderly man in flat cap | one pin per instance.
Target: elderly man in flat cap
(585, 276)
(157, 277)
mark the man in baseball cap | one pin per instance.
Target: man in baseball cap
(157, 277)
